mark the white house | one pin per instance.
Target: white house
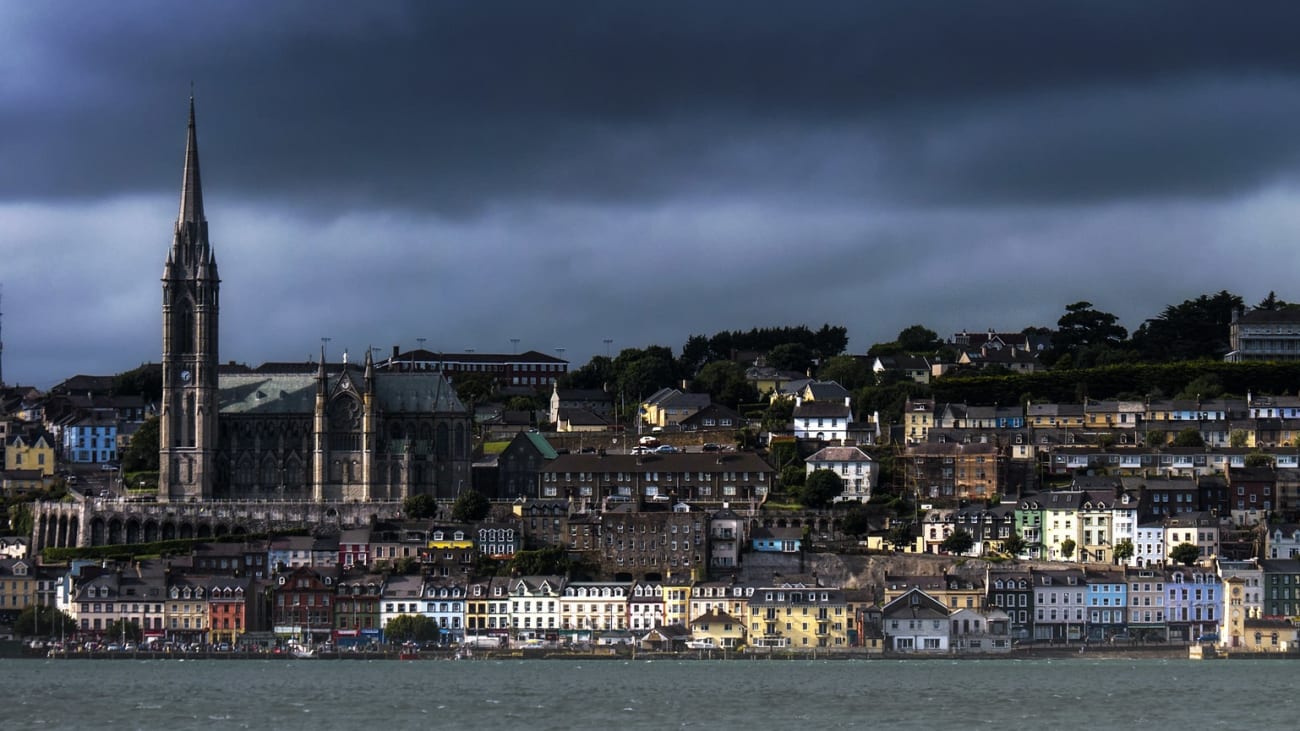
(535, 607)
(855, 467)
(824, 420)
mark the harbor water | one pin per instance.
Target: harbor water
(656, 694)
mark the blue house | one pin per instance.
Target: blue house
(777, 540)
(1107, 600)
(90, 439)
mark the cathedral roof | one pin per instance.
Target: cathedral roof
(295, 393)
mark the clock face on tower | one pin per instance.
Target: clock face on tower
(185, 376)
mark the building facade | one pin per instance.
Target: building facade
(288, 431)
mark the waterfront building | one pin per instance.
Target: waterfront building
(1146, 603)
(1194, 602)
(1107, 598)
(916, 623)
(535, 608)
(589, 608)
(1060, 610)
(358, 619)
(302, 605)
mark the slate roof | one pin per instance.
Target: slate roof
(827, 391)
(823, 409)
(839, 454)
(396, 392)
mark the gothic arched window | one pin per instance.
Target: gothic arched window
(344, 416)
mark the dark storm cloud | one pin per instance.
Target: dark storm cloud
(454, 104)
(563, 173)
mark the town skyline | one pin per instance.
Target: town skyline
(472, 177)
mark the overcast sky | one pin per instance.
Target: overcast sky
(562, 173)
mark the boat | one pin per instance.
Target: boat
(303, 653)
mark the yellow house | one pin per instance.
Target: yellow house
(918, 419)
(798, 616)
(26, 454)
(677, 600)
(719, 627)
(1113, 414)
(1269, 635)
(17, 584)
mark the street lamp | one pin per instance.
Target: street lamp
(514, 346)
(608, 342)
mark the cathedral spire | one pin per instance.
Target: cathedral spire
(191, 187)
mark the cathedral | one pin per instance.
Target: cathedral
(320, 432)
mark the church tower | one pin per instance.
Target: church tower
(188, 425)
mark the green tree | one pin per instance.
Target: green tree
(1189, 437)
(470, 507)
(123, 630)
(1201, 388)
(958, 543)
(475, 388)
(695, 353)
(856, 521)
(1185, 553)
(724, 381)
(901, 537)
(419, 507)
(642, 372)
(1195, 329)
(598, 373)
(790, 357)
(1272, 303)
(793, 478)
(20, 519)
(778, 415)
(1237, 438)
(1123, 551)
(848, 371)
(820, 488)
(411, 628)
(919, 339)
(1259, 459)
(1067, 548)
(1014, 545)
(41, 621)
(1082, 327)
(543, 561)
(1155, 438)
(141, 454)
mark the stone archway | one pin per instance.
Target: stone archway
(98, 532)
(134, 533)
(168, 532)
(151, 532)
(116, 532)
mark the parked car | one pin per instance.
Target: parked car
(108, 467)
(666, 449)
(704, 643)
(711, 447)
(1208, 637)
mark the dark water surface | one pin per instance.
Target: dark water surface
(616, 694)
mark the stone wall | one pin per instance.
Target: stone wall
(107, 522)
